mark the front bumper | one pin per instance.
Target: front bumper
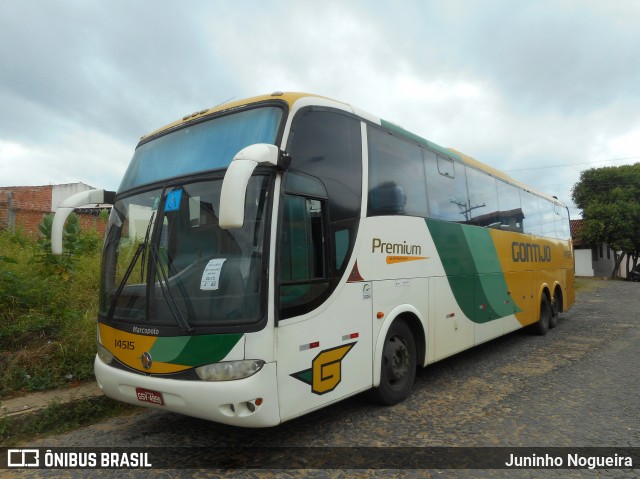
(227, 402)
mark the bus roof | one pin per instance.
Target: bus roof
(290, 98)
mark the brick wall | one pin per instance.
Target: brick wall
(90, 219)
(22, 207)
(5, 204)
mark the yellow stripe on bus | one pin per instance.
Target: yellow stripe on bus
(128, 349)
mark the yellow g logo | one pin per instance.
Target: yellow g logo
(326, 370)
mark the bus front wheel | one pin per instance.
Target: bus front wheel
(399, 362)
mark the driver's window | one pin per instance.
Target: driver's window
(302, 240)
(303, 255)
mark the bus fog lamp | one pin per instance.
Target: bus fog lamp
(252, 406)
(104, 354)
(229, 370)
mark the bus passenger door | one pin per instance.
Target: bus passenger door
(323, 337)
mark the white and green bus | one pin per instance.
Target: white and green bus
(266, 258)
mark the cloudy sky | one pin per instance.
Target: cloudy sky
(541, 89)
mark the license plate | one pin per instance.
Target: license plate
(147, 395)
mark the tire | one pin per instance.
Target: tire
(542, 326)
(399, 362)
(556, 307)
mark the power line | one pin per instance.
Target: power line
(592, 183)
(572, 164)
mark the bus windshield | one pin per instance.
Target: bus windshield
(168, 263)
(204, 146)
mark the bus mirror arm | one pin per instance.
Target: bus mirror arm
(66, 208)
(284, 160)
(236, 179)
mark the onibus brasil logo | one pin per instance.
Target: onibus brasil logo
(325, 372)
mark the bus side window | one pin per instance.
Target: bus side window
(547, 218)
(562, 222)
(303, 255)
(446, 188)
(396, 176)
(483, 199)
(510, 210)
(532, 222)
(341, 241)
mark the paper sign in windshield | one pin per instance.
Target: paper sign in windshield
(211, 275)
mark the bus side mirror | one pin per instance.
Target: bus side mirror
(236, 179)
(67, 207)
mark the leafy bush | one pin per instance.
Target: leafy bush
(48, 307)
(59, 264)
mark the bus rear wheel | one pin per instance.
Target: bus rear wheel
(556, 308)
(542, 326)
(399, 362)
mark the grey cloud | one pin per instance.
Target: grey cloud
(555, 78)
(551, 55)
(115, 66)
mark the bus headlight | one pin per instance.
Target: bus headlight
(104, 354)
(229, 370)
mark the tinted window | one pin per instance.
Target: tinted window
(483, 199)
(328, 145)
(396, 176)
(547, 218)
(203, 146)
(562, 222)
(531, 213)
(302, 250)
(446, 188)
(445, 166)
(510, 210)
(326, 163)
(303, 265)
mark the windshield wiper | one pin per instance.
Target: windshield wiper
(123, 281)
(165, 289)
(140, 250)
(146, 242)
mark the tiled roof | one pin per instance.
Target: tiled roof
(576, 228)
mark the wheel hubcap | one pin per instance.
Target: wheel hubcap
(396, 360)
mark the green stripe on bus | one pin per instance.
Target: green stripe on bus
(193, 350)
(470, 260)
(398, 130)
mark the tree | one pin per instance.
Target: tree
(610, 202)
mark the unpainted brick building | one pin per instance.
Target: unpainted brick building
(22, 207)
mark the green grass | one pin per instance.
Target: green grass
(48, 311)
(60, 418)
(582, 284)
(47, 315)
(587, 284)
